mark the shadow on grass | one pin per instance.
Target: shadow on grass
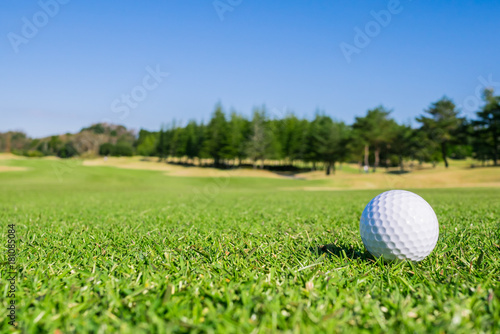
(281, 170)
(343, 252)
(398, 172)
(290, 175)
(472, 166)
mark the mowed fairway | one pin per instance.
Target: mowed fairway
(110, 250)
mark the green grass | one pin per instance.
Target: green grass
(108, 250)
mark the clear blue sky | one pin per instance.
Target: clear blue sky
(75, 69)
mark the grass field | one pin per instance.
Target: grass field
(109, 250)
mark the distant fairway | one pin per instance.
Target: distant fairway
(109, 250)
(347, 176)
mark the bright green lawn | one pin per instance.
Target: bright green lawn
(109, 250)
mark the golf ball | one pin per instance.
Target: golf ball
(399, 224)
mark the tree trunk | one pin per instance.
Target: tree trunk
(330, 167)
(401, 165)
(387, 160)
(8, 142)
(367, 153)
(495, 147)
(443, 152)
(377, 159)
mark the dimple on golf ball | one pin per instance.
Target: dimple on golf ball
(399, 224)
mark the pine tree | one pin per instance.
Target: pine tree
(442, 124)
(374, 131)
(217, 136)
(260, 140)
(160, 148)
(488, 127)
(239, 129)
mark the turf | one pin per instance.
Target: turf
(109, 250)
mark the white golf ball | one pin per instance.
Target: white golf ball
(399, 224)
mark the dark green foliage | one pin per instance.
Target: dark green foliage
(375, 130)
(67, 151)
(178, 142)
(442, 124)
(107, 149)
(487, 128)
(329, 138)
(33, 154)
(402, 143)
(312, 153)
(123, 149)
(226, 140)
(261, 143)
(161, 148)
(375, 137)
(146, 144)
(55, 144)
(292, 135)
(239, 131)
(96, 128)
(194, 139)
(217, 138)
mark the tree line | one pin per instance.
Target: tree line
(374, 140)
(231, 140)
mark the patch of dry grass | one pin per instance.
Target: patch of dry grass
(12, 169)
(10, 156)
(439, 177)
(176, 170)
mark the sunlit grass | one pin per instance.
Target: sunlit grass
(112, 250)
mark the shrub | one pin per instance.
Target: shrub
(33, 154)
(123, 149)
(107, 149)
(17, 152)
(67, 151)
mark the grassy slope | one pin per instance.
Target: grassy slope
(131, 250)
